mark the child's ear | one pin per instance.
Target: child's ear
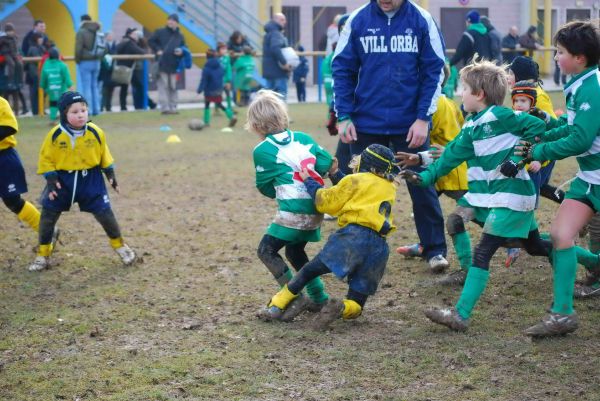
(581, 59)
(480, 95)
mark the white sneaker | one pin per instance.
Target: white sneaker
(126, 254)
(40, 263)
(438, 264)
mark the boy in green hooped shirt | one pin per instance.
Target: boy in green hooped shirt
(278, 159)
(225, 60)
(55, 80)
(501, 195)
(578, 54)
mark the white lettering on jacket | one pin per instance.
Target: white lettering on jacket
(397, 44)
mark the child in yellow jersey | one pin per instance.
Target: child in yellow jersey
(446, 123)
(358, 251)
(12, 177)
(72, 159)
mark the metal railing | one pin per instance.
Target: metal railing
(145, 58)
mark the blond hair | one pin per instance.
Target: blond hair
(267, 114)
(487, 77)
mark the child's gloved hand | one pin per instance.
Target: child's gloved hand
(509, 168)
(112, 179)
(304, 174)
(408, 159)
(411, 177)
(332, 123)
(525, 150)
(53, 186)
(541, 114)
(334, 167)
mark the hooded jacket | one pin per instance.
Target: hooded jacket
(273, 59)
(85, 40)
(474, 40)
(387, 71)
(212, 78)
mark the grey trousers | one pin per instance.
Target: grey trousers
(167, 91)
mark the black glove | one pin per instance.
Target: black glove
(542, 115)
(509, 169)
(411, 177)
(112, 179)
(52, 182)
(332, 123)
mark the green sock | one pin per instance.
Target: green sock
(207, 116)
(565, 266)
(316, 291)
(594, 246)
(462, 247)
(229, 113)
(53, 113)
(588, 259)
(229, 103)
(475, 284)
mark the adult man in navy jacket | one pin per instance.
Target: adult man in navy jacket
(387, 71)
(276, 70)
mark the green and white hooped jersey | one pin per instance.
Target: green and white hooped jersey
(485, 142)
(278, 160)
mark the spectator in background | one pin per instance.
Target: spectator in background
(167, 43)
(300, 74)
(495, 40)
(12, 76)
(236, 43)
(106, 67)
(129, 45)
(32, 78)
(332, 34)
(39, 27)
(510, 41)
(139, 91)
(275, 69)
(474, 40)
(87, 57)
(530, 40)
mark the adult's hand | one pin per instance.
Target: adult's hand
(417, 134)
(347, 131)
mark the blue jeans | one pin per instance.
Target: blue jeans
(89, 87)
(278, 85)
(429, 219)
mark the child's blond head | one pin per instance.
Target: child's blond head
(487, 77)
(267, 114)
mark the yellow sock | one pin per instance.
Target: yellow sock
(45, 250)
(282, 298)
(30, 215)
(116, 242)
(352, 309)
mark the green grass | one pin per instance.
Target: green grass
(91, 329)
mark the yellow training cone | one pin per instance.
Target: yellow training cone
(173, 139)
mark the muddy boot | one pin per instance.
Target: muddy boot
(331, 311)
(554, 324)
(588, 288)
(456, 278)
(269, 313)
(40, 263)
(295, 308)
(448, 317)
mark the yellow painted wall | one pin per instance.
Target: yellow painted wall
(153, 17)
(93, 10)
(61, 30)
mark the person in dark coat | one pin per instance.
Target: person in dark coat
(12, 68)
(32, 76)
(167, 44)
(106, 67)
(510, 41)
(495, 40)
(300, 74)
(211, 85)
(39, 27)
(276, 70)
(530, 40)
(474, 40)
(128, 45)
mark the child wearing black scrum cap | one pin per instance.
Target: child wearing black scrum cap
(72, 158)
(358, 251)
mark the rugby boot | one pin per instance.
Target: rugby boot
(438, 264)
(554, 324)
(40, 263)
(126, 254)
(448, 317)
(455, 278)
(410, 251)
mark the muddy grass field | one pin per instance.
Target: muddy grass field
(180, 324)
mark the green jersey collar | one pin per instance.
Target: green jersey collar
(577, 79)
